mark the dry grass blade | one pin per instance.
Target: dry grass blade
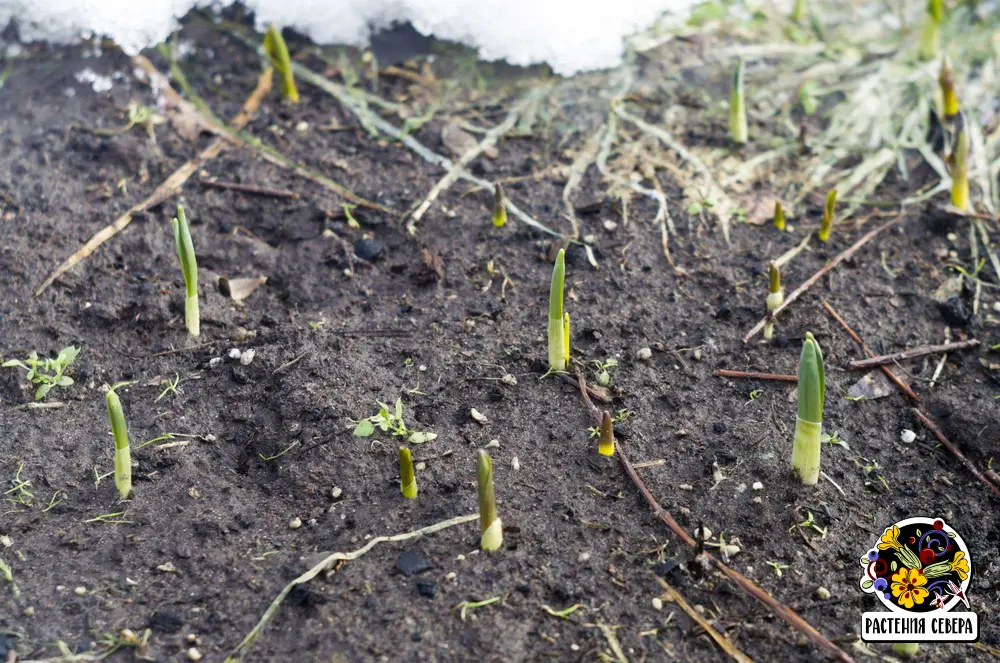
(171, 186)
(672, 595)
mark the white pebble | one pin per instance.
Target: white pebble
(657, 603)
(478, 417)
(302, 127)
(336, 492)
(515, 464)
(419, 467)
(644, 354)
(907, 436)
(193, 654)
(6, 541)
(451, 575)
(702, 532)
(996, 306)
(757, 485)
(610, 225)
(493, 444)
(583, 557)
(295, 523)
(822, 593)
(509, 379)
(80, 591)
(247, 357)
(235, 353)
(214, 361)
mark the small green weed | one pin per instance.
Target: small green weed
(46, 373)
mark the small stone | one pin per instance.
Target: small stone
(241, 335)
(427, 587)
(235, 353)
(907, 436)
(492, 444)
(509, 379)
(29, 611)
(574, 647)
(952, 237)
(822, 593)
(210, 438)
(757, 485)
(478, 417)
(247, 357)
(703, 532)
(336, 492)
(191, 639)
(412, 561)
(302, 127)
(583, 557)
(451, 575)
(366, 249)
(657, 603)
(685, 486)
(193, 654)
(700, 609)
(610, 225)
(214, 361)
(644, 354)
(80, 591)
(515, 464)
(420, 467)
(295, 523)
(996, 306)
(6, 541)
(167, 567)
(194, 493)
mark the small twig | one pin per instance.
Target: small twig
(248, 188)
(671, 594)
(862, 364)
(905, 388)
(993, 476)
(288, 364)
(53, 405)
(651, 463)
(941, 362)
(932, 427)
(750, 375)
(818, 275)
(594, 392)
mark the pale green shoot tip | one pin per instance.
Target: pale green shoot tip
(407, 477)
(489, 523)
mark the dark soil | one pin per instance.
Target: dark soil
(204, 544)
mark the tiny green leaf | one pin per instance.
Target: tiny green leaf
(364, 428)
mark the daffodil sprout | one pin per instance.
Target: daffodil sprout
(499, 207)
(123, 455)
(905, 649)
(775, 298)
(606, 446)
(737, 107)
(558, 318)
(946, 79)
(779, 216)
(958, 161)
(407, 478)
(809, 423)
(277, 53)
(930, 33)
(189, 267)
(489, 523)
(827, 223)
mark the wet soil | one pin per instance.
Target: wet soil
(205, 542)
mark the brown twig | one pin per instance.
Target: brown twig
(595, 392)
(992, 476)
(818, 275)
(861, 364)
(248, 188)
(905, 388)
(671, 594)
(778, 377)
(932, 427)
(743, 582)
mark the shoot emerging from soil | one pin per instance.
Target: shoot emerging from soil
(489, 523)
(930, 33)
(606, 447)
(499, 207)
(407, 478)
(827, 223)
(737, 107)
(775, 298)
(189, 267)
(809, 423)
(946, 79)
(123, 456)
(798, 14)
(558, 319)
(46, 373)
(779, 216)
(277, 53)
(905, 649)
(958, 162)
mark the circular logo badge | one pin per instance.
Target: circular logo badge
(918, 565)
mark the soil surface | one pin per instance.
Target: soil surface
(206, 540)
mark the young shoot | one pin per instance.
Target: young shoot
(189, 267)
(827, 223)
(905, 649)
(946, 79)
(958, 162)
(489, 523)
(798, 14)
(558, 318)
(606, 447)
(390, 420)
(779, 216)
(407, 478)
(930, 33)
(809, 423)
(737, 107)
(123, 456)
(499, 207)
(46, 373)
(775, 298)
(277, 53)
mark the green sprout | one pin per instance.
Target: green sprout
(798, 14)
(603, 370)
(489, 523)
(407, 478)
(775, 298)
(606, 447)
(809, 423)
(277, 53)
(958, 162)
(391, 421)
(946, 79)
(930, 33)
(828, 210)
(189, 267)
(558, 318)
(905, 649)
(499, 207)
(779, 216)
(123, 456)
(737, 107)
(46, 373)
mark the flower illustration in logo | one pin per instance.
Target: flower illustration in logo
(908, 587)
(917, 565)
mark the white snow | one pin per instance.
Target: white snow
(571, 35)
